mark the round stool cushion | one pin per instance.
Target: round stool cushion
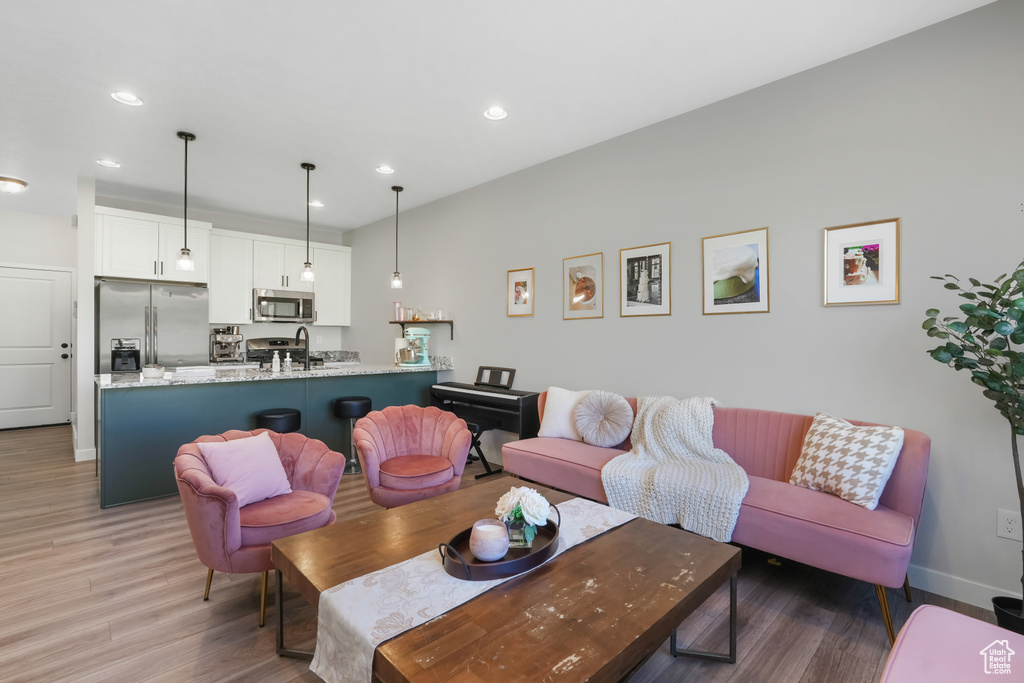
(280, 420)
(352, 406)
(411, 472)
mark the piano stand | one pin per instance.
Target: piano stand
(478, 427)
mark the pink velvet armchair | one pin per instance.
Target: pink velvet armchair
(409, 453)
(237, 540)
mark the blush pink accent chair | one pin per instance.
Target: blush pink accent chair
(237, 540)
(807, 526)
(409, 453)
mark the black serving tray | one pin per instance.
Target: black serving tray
(458, 559)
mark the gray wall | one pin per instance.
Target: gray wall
(926, 128)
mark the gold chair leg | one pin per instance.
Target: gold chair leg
(263, 601)
(906, 587)
(209, 580)
(883, 603)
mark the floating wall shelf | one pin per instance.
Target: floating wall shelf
(414, 323)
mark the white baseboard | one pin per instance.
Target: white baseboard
(947, 585)
(83, 454)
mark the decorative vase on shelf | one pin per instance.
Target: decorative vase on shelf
(521, 534)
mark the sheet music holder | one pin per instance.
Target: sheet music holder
(499, 378)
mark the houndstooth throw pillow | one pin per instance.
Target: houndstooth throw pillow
(851, 462)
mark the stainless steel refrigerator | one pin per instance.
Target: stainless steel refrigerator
(138, 323)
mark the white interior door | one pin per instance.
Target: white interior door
(35, 348)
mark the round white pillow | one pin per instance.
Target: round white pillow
(603, 419)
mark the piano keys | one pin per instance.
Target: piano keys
(511, 410)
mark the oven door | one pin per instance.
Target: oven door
(269, 305)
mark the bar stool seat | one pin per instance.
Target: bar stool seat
(353, 408)
(280, 420)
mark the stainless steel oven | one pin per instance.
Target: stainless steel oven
(282, 306)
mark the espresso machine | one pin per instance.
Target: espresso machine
(226, 345)
(417, 351)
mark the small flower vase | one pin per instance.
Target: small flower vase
(521, 534)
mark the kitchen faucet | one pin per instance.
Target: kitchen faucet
(298, 333)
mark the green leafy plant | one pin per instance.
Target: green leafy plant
(982, 340)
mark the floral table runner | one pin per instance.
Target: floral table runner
(358, 615)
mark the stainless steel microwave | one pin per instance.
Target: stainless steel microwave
(282, 306)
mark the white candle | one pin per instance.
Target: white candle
(488, 540)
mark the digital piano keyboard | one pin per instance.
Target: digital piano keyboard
(511, 410)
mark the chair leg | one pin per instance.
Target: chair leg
(209, 580)
(906, 587)
(883, 603)
(263, 601)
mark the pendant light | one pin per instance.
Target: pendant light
(307, 268)
(396, 279)
(185, 261)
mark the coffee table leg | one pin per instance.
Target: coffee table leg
(282, 651)
(713, 656)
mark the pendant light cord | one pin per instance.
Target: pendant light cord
(396, 230)
(308, 168)
(184, 220)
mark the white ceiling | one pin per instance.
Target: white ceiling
(350, 85)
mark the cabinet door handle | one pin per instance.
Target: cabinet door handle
(161, 267)
(154, 267)
(282, 280)
(287, 280)
(63, 355)
(250, 314)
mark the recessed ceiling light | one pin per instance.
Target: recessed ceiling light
(495, 113)
(386, 170)
(108, 163)
(127, 98)
(317, 204)
(12, 185)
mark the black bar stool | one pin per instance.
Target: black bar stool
(352, 407)
(280, 420)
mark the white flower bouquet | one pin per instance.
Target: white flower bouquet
(523, 508)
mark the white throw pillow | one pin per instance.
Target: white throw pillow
(250, 467)
(603, 419)
(851, 462)
(558, 406)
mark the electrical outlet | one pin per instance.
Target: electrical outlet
(319, 339)
(1008, 525)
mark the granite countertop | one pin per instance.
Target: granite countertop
(134, 379)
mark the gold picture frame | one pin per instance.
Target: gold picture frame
(645, 280)
(735, 267)
(862, 263)
(520, 292)
(583, 286)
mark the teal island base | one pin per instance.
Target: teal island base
(139, 429)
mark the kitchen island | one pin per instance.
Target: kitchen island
(140, 423)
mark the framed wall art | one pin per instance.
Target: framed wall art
(736, 272)
(583, 287)
(862, 263)
(520, 292)
(645, 280)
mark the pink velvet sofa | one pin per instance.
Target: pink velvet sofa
(807, 526)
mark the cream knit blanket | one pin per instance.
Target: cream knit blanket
(674, 474)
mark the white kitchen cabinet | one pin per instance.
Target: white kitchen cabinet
(277, 265)
(332, 287)
(144, 246)
(231, 285)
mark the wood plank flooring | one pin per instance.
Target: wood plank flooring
(116, 595)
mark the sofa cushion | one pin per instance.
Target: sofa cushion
(825, 531)
(572, 466)
(851, 462)
(408, 472)
(249, 466)
(603, 419)
(285, 515)
(557, 421)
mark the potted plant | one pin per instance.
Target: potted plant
(982, 340)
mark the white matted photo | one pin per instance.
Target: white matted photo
(736, 272)
(520, 292)
(583, 287)
(862, 263)
(645, 280)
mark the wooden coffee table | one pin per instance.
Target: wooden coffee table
(596, 612)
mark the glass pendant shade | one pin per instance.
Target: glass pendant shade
(307, 272)
(185, 261)
(396, 280)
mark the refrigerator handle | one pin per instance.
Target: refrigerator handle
(156, 342)
(145, 341)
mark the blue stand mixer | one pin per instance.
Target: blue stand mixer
(417, 352)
